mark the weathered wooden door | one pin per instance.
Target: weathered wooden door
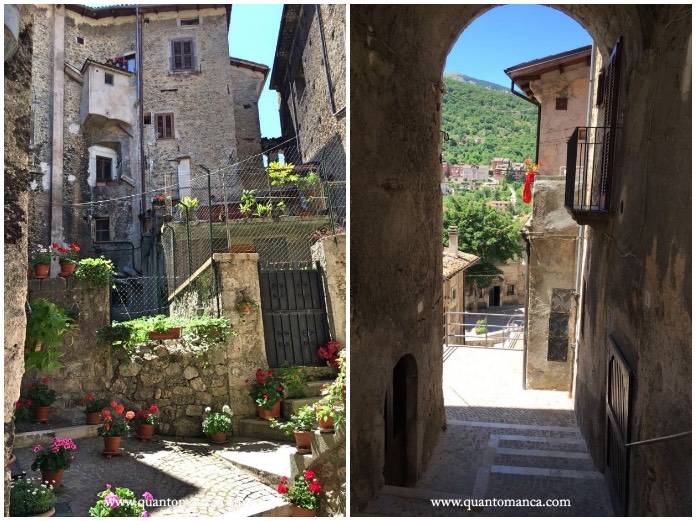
(294, 314)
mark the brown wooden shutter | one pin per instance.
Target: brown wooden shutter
(611, 109)
(177, 55)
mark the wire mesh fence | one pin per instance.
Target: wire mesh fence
(277, 210)
(135, 297)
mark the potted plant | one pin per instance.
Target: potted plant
(46, 326)
(301, 426)
(120, 502)
(67, 258)
(42, 397)
(329, 352)
(22, 410)
(324, 411)
(303, 494)
(42, 257)
(146, 421)
(217, 425)
(267, 393)
(210, 329)
(115, 426)
(158, 201)
(161, 327)
(54, 460)
(96, 271)
(293, 378)
(245, 303)
(30, 498)
(93, 409)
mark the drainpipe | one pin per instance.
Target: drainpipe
(56, 203)
(332, 99)
(538, 106)
(139, 62)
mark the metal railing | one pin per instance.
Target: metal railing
(487, 330)
(588, 174)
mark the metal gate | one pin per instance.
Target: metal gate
(294, 314)
(618, 414)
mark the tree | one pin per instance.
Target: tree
(486, 232)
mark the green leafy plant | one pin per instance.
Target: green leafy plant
(46, 327)
(29, 497)
(209, 329)
(481, 327)
(217, 422)
(248, 199)
(304, 493)
(302, 421)
(293, 379)
(263, 210)
(22, 412)
(188, 203)
(161, 323)
(281, 173)
(96, 271)
(245, 299)
(116, 421)
(58, 456)
(42, 255)
(307, 182)
(120, 502)
(93, 404)
(324, 408)
(266, 390)
(40, 394)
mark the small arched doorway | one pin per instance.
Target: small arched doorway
(400, 447)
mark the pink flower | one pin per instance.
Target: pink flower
(130, 415)
(111, 500)
(145, 514)
(37, 448)
(28, 402)
(147, 496)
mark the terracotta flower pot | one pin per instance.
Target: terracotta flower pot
(41, 271)
(52, 478)
(66, 269)
(165, 335)
(10, 461)
(244, 309)
(112, 444)
(266, 414)
(303, 440)
(219, 437)
(326, 426)
(41, 414)
(48, 513)
(93, 418)
(145, 431)
(302, 512)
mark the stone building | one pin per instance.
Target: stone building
(309, 73)
(636, 279)
(461, 173)
(454, 266)
(559, 85)
(127, 103)
(507, 288)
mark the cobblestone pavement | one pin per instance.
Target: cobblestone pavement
(169, 468)
(501, 443)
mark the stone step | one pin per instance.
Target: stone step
(254, 427)
(313, 388)
(575, 445)
(29, 439)
(322, 372)
(267, 460)
(292, 405)
(547, 459)
(322, 442)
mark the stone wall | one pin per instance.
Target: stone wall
(638, 272)
(330, 252)
(17, 99)
(553, 237)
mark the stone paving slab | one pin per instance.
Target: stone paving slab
(174, 469)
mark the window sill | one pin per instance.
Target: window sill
(174, 72)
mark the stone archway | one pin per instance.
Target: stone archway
(397, 59)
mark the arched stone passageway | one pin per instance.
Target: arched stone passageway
(637, 277)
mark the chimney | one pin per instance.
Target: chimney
(453, 240)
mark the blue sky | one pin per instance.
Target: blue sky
(253, 36)
(513, 34)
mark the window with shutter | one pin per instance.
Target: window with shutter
(611, 101)
(183, 57)
(165, 126)
(101, 229)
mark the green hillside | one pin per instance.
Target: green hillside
(506, 123)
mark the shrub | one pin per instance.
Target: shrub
(29, 497)
(481, 327)
(216, 422)
(303, 421)
(40, 394)
(293, 380)
(97, 272)
(46, 327)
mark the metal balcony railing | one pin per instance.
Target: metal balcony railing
(588, 176)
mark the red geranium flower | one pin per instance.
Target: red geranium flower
(18, 404)
(315, 487)
(309, 475)
(44, 381)
(120, 409)
(114, 404)
(153, 409)
(282, 488)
